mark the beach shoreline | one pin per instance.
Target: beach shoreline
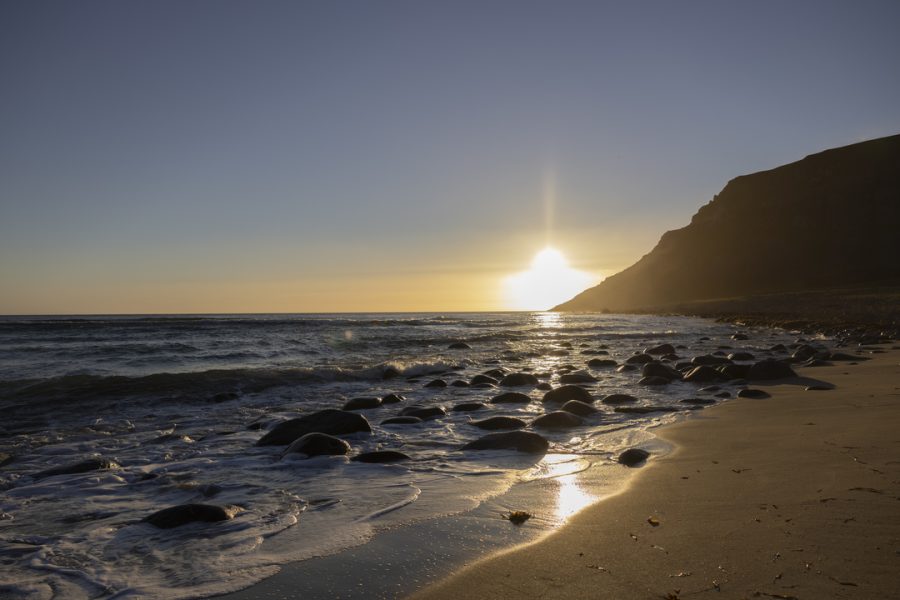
(786, 497)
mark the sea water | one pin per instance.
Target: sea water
(180, 401)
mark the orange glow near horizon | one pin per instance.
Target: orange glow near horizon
(548, 282)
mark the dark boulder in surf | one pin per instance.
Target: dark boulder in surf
(468, 406)
(703, 374)
(176, 516)
(392, 399)
(558, 419)
(639, 359)
(330, 421)
(753, 393)
(520, 441)
(565, 393)
(518, 380)
(480, 379)
(401, 421)
(362, 403)
(770, 369)
(436, 383)
(618, 399)
(459, 346)
(511, 398)
(424, 413)
(601, 363)
(85, 466)
(577, 407)
(661, 349)
(633, 457)
(654, 380)
(499, 423)
(318, 444)
(657, 369)
(380, 456)
(577, 377)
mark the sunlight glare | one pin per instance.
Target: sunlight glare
(548, 282)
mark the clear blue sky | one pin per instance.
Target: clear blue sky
(313, 156)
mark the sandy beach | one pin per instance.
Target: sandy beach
(790, 497)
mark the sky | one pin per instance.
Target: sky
(319, 156)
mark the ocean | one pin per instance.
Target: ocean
(177, 403)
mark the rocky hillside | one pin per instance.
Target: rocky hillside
(830, 220)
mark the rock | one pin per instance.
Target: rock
(565, 393)
(710, 389)
(330, 421)
(497, 374)
(698, 401)
(483, 379)
(521, 441)
(734, 371)
(176, 516)
(577, 407)
(459, 383)
(741, 356)
(740, 336)
(5, 458)
(778, 348)
(657, 369)
(805, 352)
(518, 379)
(498, 423)
(654, 380)
(817, 388)
(639, 359)
(557, 420)
(544, 386)
(468, 407)
(85, 466)
(380, 456)
(390, 372)
(709, 359)
(601, 363)
(511, 398)
(770, 369)
(703, 374)
(318, 444)
(661, 349)
(643, 410)
(633, 457)
(577, 377)
(815, 362)
(401, 421)
(459, 346)
(431, 412)
(436, 383)
(618, 399)
(626, 368)
(753, 393)
(392, 399)
(362, 403)
(723, 395)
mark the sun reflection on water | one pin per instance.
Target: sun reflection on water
(564, 469)
(549, 320)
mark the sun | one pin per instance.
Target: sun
(549, 281)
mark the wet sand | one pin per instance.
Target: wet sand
(796, 496)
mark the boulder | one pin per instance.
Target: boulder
(330, 421)
(633, 457)
(176, 516)
(577, 407)
(498, 423)
(703, 374)
(459, 383)
(661, 349)
(521, 441)
(740, 336)
(657, 369)
(753, 393)
(483, 379)
(401, 421)
(741, 356)
(601, 363)
(643, 410)
(618, 399)
(577, 377)
(85, 466)
(654, 380)
(459, 346)
(698, 401)
(318, 444)
(392, 399)
(431, 412)
(380, 456)
(557, 420)
(518, 380)
(497, 374)
(626, 368)
(565, 393)
(511, 398)
(436, 383)
(770, 369)
(639, 359)
(468, 406)
(709, 359)
(362, 403)
(734, 371)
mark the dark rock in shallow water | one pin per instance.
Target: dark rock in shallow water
(639, 359)
(401, 421)
(459, 346)
(740, 336)
(390, 372)
(557, 420)
(85, 466)
(626, 368)
(511, 398)
(176, 516)
(362, 403)
(518, 379)
(643, 410)
(544, 386)
(753, 393)
(459, 383)
(497, 374)
(380, 456)
(601, 363)
(709, 359)
(468, 406)
(741, 356)
(698, 401)
(330, 421)
(565, 393)
(432, 412)
(618, 399)
(521, 441)
(654, 381)
(483, 379)
(817, 388)
(577, 407)
(710, 389)
(703, 374)
(633, 457)
(318, 444)
(778, 348)
(657, 369)
(393, 399)
(577, 377)
(661, 349)
(498, 423)
(770, 369)
(436, 383)
(806, 352)
(723, 395)
(734, 371)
